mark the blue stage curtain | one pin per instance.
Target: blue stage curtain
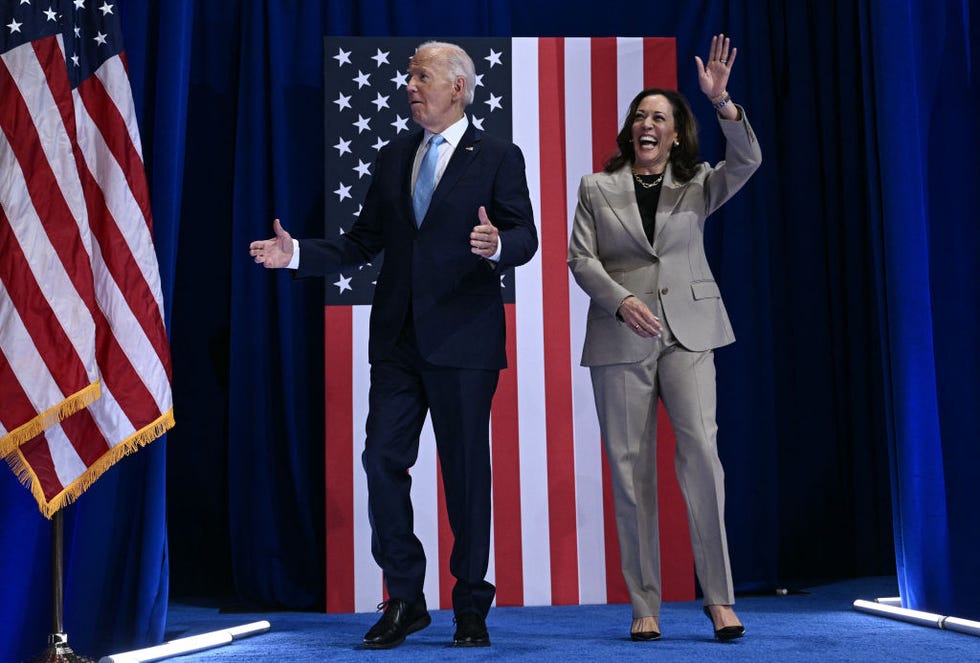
(927, 254)
(954, 245)
(848, 266)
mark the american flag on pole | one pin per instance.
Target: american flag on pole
(84, 356)
(562, 101)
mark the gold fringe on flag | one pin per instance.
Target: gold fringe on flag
(54, 415)
(71, 492)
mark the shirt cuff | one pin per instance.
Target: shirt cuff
(294, 261)
(500, 245)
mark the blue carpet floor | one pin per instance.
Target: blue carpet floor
(817, 624)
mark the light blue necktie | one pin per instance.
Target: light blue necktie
(425, 183)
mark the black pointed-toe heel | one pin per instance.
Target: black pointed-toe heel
(644, 636)
(725, 633)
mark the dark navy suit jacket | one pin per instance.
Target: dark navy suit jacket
(452, 294)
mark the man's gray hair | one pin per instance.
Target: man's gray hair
(459, 64)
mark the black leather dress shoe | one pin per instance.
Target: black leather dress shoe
(725, 632)
(399, 619)
(471, 631)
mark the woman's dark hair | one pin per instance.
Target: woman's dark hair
(683, 157)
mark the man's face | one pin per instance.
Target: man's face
(435, 99)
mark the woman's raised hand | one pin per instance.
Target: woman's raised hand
(713, 76)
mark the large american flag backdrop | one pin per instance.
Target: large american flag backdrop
(84, 358)
(554, 540)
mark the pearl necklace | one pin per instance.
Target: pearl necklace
(648, 185)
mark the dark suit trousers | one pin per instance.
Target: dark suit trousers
(403, 388)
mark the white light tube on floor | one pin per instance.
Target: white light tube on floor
(189, 644)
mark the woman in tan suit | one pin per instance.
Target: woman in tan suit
(656, 315)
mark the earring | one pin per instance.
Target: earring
(677, 143)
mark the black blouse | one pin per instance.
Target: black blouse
(647, 189)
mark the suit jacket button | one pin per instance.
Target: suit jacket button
(664, 291)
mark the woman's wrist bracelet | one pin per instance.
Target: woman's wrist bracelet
(719, 102)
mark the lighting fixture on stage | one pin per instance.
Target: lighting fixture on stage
(892, 608)
(189, 644)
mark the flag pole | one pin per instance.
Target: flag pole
(58, 650)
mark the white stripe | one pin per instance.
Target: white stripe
(492, 564)
(114, 78)
(68, 466)
(629, 73)
(425, 503)
(110, 418)
(367, 575)
(535, 534)
(588, 460)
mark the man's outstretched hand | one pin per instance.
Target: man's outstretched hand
(273, 253)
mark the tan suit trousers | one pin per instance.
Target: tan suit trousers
(626, 402)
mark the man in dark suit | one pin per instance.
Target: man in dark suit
(449, 207)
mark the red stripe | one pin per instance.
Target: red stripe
(554, 295)
(605, 127)
(677, 560)
(616, 591)
(660, 62)
(445, 543)
(507, 542)
(38, 456)
(338, 371)
(605, 115)
(85, 436)
(17, 408)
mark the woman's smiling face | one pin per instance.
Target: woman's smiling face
(653, 134)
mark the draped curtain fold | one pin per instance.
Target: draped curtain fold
(848, 266)
(928, 293)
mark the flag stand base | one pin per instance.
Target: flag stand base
(58, 651)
